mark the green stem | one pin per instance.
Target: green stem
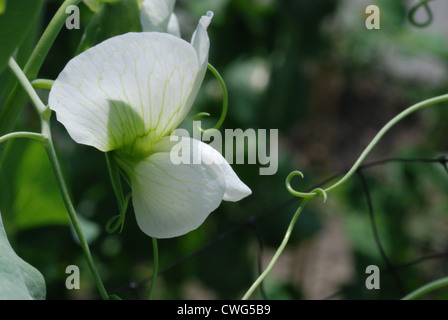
(23, 134)
(279, 250)
(71, 210)
(156, 268)
(426, 289)
(11, 110)
(24, 82)
(42, 48)
(372, 144)
(45, 136)
(42, 84)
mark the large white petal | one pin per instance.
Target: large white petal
(128, 91)
(157, 15)
(171, 198)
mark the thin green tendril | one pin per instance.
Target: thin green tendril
(114, 174)
(372, 144)
(117, 221)
(323, 192)
(411, 14)
(224, 104)
(314, 193)
(278, 252)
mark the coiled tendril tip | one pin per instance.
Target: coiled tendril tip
(425, 5)
(312, 194)
(322, 192)
(196, 123)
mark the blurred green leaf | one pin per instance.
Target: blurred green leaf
(110, 20)
(7, 78)
(2, 6)
(96, 5)
(15, 22)
(18, 279)
(29, 194)
(93, 5)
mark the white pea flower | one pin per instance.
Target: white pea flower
(157, 15)
(126, 95)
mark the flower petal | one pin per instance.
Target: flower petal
(196, 152)
(157, 15)
(129, 91)
(200, 40)
(235, 188)
(170, 200)
(173, 26)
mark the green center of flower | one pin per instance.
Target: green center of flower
(139, 148)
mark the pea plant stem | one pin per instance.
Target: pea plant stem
(23, 134)
(155, 268)
(278, 252)
(27, 86)
(46, 138)
(11, 110)
(49, 146)
(426, 289)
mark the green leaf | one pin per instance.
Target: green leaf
(7, 78)
(18, 279)
(93, 5)
(112, 19)
(29, 195)
(2, 6)
(15, 23)
(96, 5)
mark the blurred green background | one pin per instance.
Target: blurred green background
(310, 69)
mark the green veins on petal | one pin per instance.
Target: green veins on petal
(127, 92)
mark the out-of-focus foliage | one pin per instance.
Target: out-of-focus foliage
(30, 195)
(104, 23)
(16, 20)
(313, 71)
